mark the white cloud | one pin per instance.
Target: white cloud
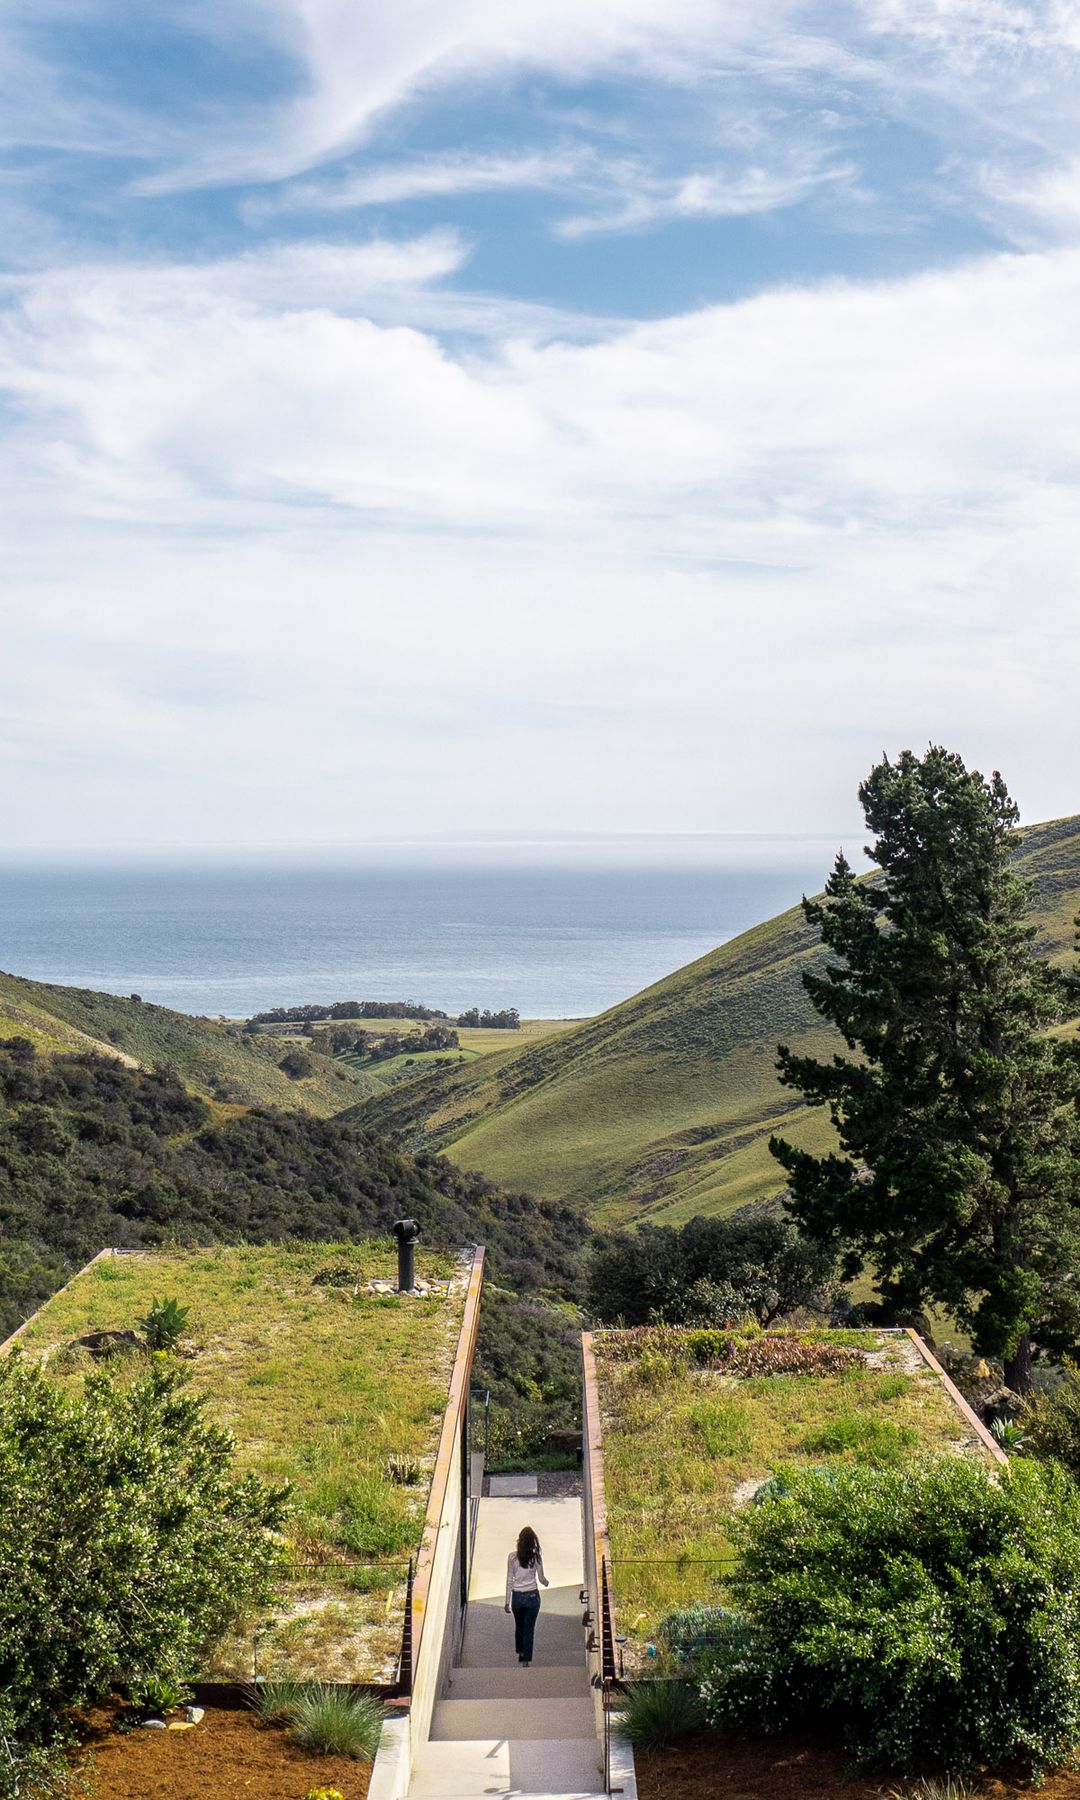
(697, 572)
(432, 177)
(636, 198)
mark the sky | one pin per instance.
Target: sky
(479, 418)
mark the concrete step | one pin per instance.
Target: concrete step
(520, 1721)
(564, 1682)
(478, 1769)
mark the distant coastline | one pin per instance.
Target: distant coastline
(556, 942)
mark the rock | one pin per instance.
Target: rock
(181, 1725)
(1001, 1403)
(154, 1725)
(194, 1714)
(110, 1343)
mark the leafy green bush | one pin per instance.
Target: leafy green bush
(164, 1324)
(657, 1713)
(333, 1722)
(927, 1616)
(127, 1543)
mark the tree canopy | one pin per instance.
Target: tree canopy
(957, 1176)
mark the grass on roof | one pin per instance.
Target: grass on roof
(321, 1388)
(684, 1446)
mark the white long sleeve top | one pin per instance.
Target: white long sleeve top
(522, 1580)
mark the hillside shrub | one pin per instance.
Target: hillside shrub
(127, 1543)
(148, 1165)
(929, 1615)
(710, 1272)
(1050, 1423)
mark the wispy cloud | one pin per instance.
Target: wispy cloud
(634, 197)
(431, 177)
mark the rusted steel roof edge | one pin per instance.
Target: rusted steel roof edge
(456, 1402)
(969, 1416)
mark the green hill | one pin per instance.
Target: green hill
(211, 1060)
(662, 1107)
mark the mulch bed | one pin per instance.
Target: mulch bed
(227, 1756)
(709, 1766)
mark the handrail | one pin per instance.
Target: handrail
(457, 1402)
(403, 1685)
(600, 1591)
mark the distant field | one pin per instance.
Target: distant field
(685, 1444)
(474, 1044)
(320, 1388)
(662, 1107)
(209, 1058)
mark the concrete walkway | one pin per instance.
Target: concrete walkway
(503, 1730)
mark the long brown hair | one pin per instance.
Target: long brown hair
(528, 1547)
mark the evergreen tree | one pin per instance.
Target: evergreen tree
(958, 1181)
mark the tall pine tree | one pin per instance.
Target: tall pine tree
(958, 1181)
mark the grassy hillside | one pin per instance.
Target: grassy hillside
(210, 1060)
(662, 1107)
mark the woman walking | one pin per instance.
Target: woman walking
(524, 1579)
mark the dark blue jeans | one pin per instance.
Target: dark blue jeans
(526, 1609)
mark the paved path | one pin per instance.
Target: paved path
(503, 1730)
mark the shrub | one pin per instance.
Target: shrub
(333, 1722)
(324, 1793)
(127, 1543)
(687, 1630)
(928, 1615)
(164, 1324)
(659, 1712)
(160, 1694)
(1051, 1422)
(275, 1702)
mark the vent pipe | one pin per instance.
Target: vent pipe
(406, 1231)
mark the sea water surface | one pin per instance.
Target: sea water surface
(556, 941)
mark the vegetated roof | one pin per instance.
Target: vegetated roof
(662, 1107)
(326, 1384)
(695, 1422)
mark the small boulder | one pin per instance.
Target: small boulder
(110, 1343)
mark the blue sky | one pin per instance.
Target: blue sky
(495, 416)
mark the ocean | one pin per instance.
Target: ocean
(556, 941)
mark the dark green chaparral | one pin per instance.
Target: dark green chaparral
(128, 1542)
(923, 1615)
(958, 1177)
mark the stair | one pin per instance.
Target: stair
(501, 1732)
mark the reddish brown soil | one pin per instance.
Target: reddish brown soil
(228, 1756)
(713, 1767)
